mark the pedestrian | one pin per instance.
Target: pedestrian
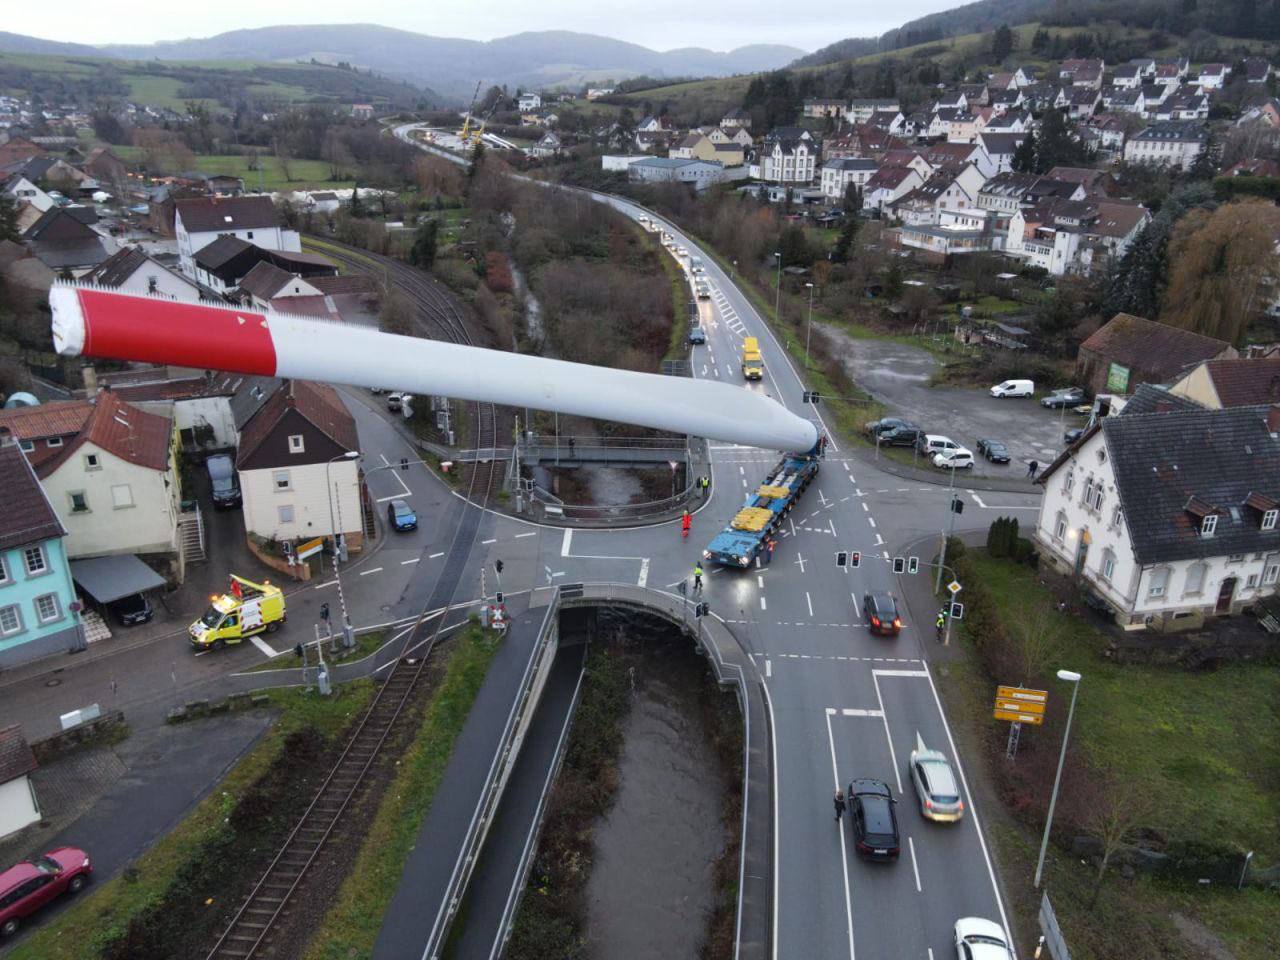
(685, 523)
(706, 486)
(1032, 467)
(839, 801)
(768, 550)
(697, 577)
(572, 444)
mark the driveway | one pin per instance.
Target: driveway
(898, 376)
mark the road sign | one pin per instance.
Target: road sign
(310, 548)
(1020, 704)
(954, 587)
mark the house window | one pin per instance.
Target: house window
(296, 444)
(1208, 525)
(121, 496)
(285, 512)
(35, 561)
(250, 236)
(1060, 526)
(1195, 579)
(27, 446)
(1269, 519)
(54, 442)
(1115, 515)
(4, 572)
(91, 462)
(47, 609)
(1108, 563)
(1069, 482)
(281, 480)
(79, 503)
(1236, 558)
(1272, 574)
(1158, 583)
(1252, 582)
(10, 621)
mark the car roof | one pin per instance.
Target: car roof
(880, 596)
(931, 437)
(399, 505)
(938, 771)
(18, 873)
(869, 786)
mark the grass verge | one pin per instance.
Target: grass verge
(366, 643)
(90, 926)
(351, 924)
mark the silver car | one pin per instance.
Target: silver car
(935, 784)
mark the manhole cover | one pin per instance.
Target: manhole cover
(55, 682)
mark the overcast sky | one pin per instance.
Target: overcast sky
(659, 24)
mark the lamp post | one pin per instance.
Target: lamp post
(1073, 678)
(777, 294)
(347, 639)
(808, 324)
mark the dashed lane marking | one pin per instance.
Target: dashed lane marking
(327, 583)
(531, 533)
(365, 573)
(872, 521)
(436, 556)
(404, 563)
(487, 542)
(852, 712)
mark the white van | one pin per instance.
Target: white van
(932, 443)
(1014, 388)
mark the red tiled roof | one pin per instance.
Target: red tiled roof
(317, 402)
(16, 758)
(26, 516)
(1245, 383)
(1146, 344)
(125, 431)
(58, 419)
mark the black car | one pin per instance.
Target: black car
(906, 435)
(1068, 397)
(873, 819)
(881, 613)
(131, 610)
(993, 450)
(697, 334)
(878, 427)
(1071, 436)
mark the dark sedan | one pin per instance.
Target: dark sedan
(131, 610)
(874, 822)
(1068, 397)
(878, 427)
(993, 450)
(1071, 436)
(906, 435)
(881, 612)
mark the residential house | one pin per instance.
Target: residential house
(1124, 100)
(1169, 144)
(1025, 77)
(955, 232)
(1000, 147)
(1117, 225)
(199, 221)
(17, 149)
(595, 93)
(654, 140)
(266, 282)
(132, 270)
(906, 157)
(860, 141)
(323, 202)
(886, 186)
(975, 94)
(951, 100)
(1004, 101)
(789, 155)
(528, 101)
(838, 174)
(37, 597)
(19, 807)
(1127, 351)
(735, 118)
(1082, 73)
(890, 121)
(548, 146)
(940, 123)
(362, 111)
(700, 173)
(1111, 130)
(44, 430)
(295, 478)
(963, 128)
(940, 154)
(1258, 167)
(204, 408)
(1096, 183)
(64, 241)
(1171, 73)
(653, 124)
(1257, 69)
(695, 146)
(1015, 121)
(952, 187)
(730, 154)
(1218, 384)
(1184, 105)
(1213, 76)
(1127, 76)
(822, 109)
(23, 191)
(859, 111)
(1051, 235)
(1170, 516)
(221, 265)
(1078, 102)
(1266, 113)
(105, 167)
(1154, 94)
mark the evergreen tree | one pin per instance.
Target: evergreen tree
(1024, 156)
(1205, 165)
(357, 205)
(423, 252)
(893, 281)
(8, 218)
(1040, 41)
(844, 243)
(1057, 144)
(1001, 43)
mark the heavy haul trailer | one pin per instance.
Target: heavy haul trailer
(743, 539)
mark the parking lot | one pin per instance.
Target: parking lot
(898, 376)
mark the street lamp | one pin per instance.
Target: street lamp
(347, 639)
(1070, 676)
(807, 325)
(777, 296)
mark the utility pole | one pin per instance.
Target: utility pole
(951, 526)
(348, 640)
(777, 295)
(809, 326)
(1074, 679)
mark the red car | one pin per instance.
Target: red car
(29, 885)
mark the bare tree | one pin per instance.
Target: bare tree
(284, 158)
(396, 315)
(1116, 806)
(1036, 633)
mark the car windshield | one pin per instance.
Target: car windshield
(47, 865)
(402, 510)
(211, 618)
(983, 938)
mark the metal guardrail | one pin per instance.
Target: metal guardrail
(504, 760)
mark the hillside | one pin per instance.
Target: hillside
(453, 66)
(225, 85)
(17, 43)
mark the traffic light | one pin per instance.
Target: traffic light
(812, 396)
(497, 565)
(913, 564)
(404, 463)
(842, 558)
(957, 505)
(497, 597)
(855, 559)
(899, 565)
(701, 609)
(324, 612)
(957, 611)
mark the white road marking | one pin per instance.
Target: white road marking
(911, 845)
(742, 469)
(872, 521)
(327, 583)
(844, 854)
(879, 540)
(865, 507)
(394, 496)
(262, 645)
(900, 673)
(893, 757)
(764, 605)
(532, 533)
(823, 500)
(487, 542)
(809, 602)
(852, 712)
(436, 556)
(768, 669)
(405, 563)
(644, 573)
(832, 524)
(800, 563)
(760, 581)
(365, 573)
(566, 543)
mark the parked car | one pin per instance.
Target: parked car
(957, 459)
(905, 436)
(223, 480)
(131, 610)
(697, 334)
(1066, 397)
(880, 610)
(27, 886)
(401, 516)
(873, 820)
(1071, 436)
(935, 784)
(993, 450)
(1014, 388)
(932, 443)
(978, 939)
(876, 427)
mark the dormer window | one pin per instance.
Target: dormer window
(1208, 525)
(1269, 519)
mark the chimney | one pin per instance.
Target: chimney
(1273, 419)
(6, 436)
(90, 380)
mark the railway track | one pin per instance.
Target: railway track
(263, 914)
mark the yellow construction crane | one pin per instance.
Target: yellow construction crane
(465, 133)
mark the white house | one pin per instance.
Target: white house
(951, 187)
(529, 101)
(1000, 148)
(789, 155)
(198, 221)
(1213, 76)
(1167, 144)
(18, 805)
(548, 146)
(295, 478)
(22, 189)
(887, 185)
(860, 111)
(838, 174)
(132, 270)
(956, 232)
(1168, 512)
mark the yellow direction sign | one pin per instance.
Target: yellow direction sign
(1020, 705)
(310, 548)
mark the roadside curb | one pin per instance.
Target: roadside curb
(994, 484)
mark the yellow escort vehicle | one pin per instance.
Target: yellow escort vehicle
(250, 608)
